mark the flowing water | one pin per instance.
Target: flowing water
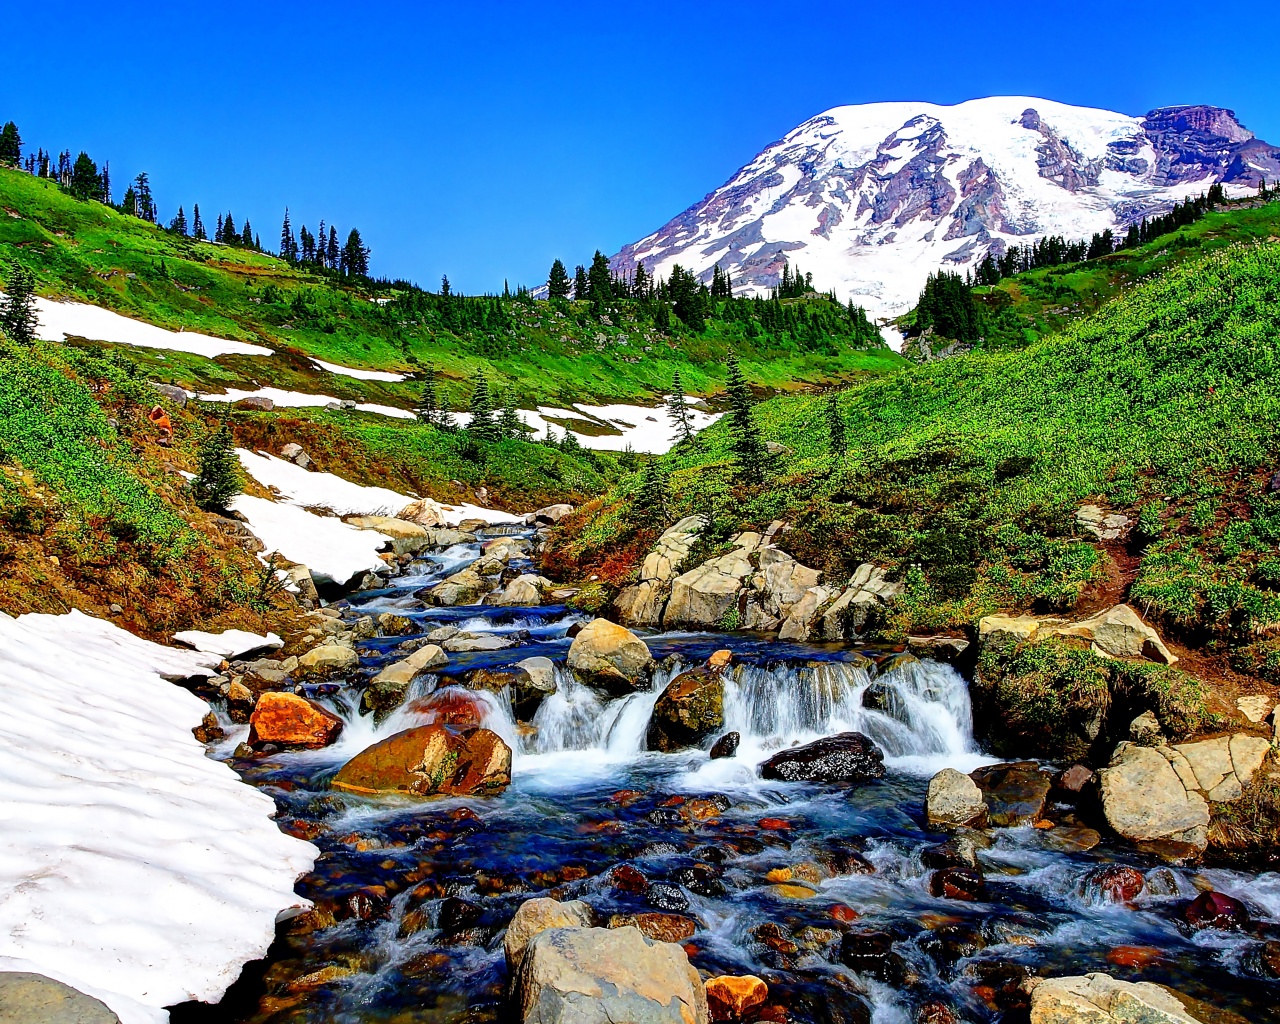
(413, 897)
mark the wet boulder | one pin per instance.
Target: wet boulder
(328, 660)
(689, 710)
(449, 706)
(391, 624)
(725, 746)
(605, 975)
(1101, 999)
(846, 757)
(466, 587)
(387, 689)
(659, 927)
(1115, 883)
(1014, 793)
(430, 760)
(731, 997)
(1216, 910)
(957, 884)
(665, 896)
(954, 800)
(535, 916)
(872, 953)
(523, 592)
(1143, 798)
(288, 720)
(469, 643)
(610, 657)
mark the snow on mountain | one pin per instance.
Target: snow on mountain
(872, 198)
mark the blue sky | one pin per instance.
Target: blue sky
(482, 140)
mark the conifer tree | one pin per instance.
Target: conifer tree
(570, 443)
(355, 256)
(288, 244)
(84, 182)
(558, 281)
(217, 231)
(650, 506)
(230, 235)
(18, 307)
(308, 254)
(835, 426)
(679, 411)
(428, 405)
(748, 446)
(129, 201)
(581, 286)
(105, 178)
(640, 283)
(509, 423)
(197, 225)
(146, 202)
(246, 235)
(322, 251)
(219, 478)
(10, 145)
(482, 425)
(179, 223)
(600, 279)
(334, 254)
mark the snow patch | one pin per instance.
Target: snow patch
(229, 644)
(351, 371)
(300, 400)
(60, 320)
(132, 866)
(645, 428)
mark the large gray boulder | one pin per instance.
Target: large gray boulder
(1102, 999)
(642, 603)
(462, 588)
(606, 976)
(774, 590)
(1143, 798)
(34, 999)
(610, 656)
(954, 800)
(868, 588)
(407, 538)
(705, 595)
(533, 917)
(523, 592)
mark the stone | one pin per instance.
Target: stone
(1144, 799)
(1216, 910)
(1101, 999)
(289, 720)
(328, 660)
(642, 603)
(535, 916)
(937, 648)
(845, 757)
(407, 538)
(1255, 707)
(610, 657)
(430, 760)
(703, 596)
(538, 681)
(1210, 761)
(689, 710)
(868, 589)
(549, 515)
(259, 403)
(604, 976)
(424, 512)
(800, 618)
(958, 883)
(665, 896)
(725, 746)
(1073, 779)
(1019, 628)
(1115, 883)
(466, 587)
(954, 800)
(27, 998)
(872, 953)
(178, 396)
(1145, 729)
(231, 644)
(388, 688)
(450, 706)
(523, 592)
(659, 927)
(1247, 754)
(1118, 632)
(466, 643)
(1014, 793)
(730, 997)
(1102, 525)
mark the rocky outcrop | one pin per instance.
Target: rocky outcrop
(689, 710)
(610, 657)
(430, 760)
(606, 975)
(1101, 999)
(954, 800)
(549, 515)
(533, 917)
(704, 596)
(407, 538)
(1117, 632)
(868, 589)
(523, 592)
(288, 720)
(1143, 798)
(424, 512)
(773, 591)
(845, 757)
(1219, 768)
(1102, 525)
(462, 588)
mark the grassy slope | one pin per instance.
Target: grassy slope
(965, 474)
(89, 252)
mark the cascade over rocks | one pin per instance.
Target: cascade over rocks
(845, 757)
(604, 976)
(430, 760)
(690, 709)
(289, 720)
(610, 657)
(388, 688)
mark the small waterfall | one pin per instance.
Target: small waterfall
(576, 717)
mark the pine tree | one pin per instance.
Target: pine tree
(650, 506)
(679, 411)
(230, 236)
(197, 225)
(308, 254)
(322, 252)
(18, 307)
(835, 426)
(105, 178)
(355, 256)
(558, 281)
(600, 279)
(246, 235)
(129, 202)
(509, 423)
(146, 203)
(10, 145)
(219, 478)
(581, 286)
(748, 446)
(640, 283)
(334, 254)
(482, 425)
(288, 244)
(84, 182)
(428, 406)
(179, 223)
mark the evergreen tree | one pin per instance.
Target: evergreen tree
(600, 279)
(84, 182)
(246, 235)
(18, 307)
(333, 255)
(10, 145)
(197, 225)
(129, 201)
(146, 203)
(689, 300)
(179, 223)
(569, 444)
(581, 286)
(748, 446)
(308, 254)
(355, 256)
(288, 244)
(509, 423)
(650, 506)
(558, 281)
(835, 426)
(640, 283)
(482, 425)
(230, 236)
(219, 478)
(105, 177)
(322, 251)
(679, 411)
(428, 405)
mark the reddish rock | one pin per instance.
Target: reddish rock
(628, 879)
(725, 746)
(843, 912)
(430, 760)
(1115, 883)
(775, 824)
(659, 927)
(729, 997)
(934, 1012)
(720, 660)
(1216, 910)
(292, 721)
(1073, 779)
(450, 706)
(1133, 956)
(957, 884)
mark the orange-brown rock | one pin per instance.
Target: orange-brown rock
(292, 721)
(450, 706)
(659, 927)
(720, 659)
(729, 997)
(430, 760)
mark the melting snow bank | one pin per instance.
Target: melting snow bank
(351, 371)
(132, 866)
(301, 400)
(59, 320)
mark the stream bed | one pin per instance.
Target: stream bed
(821, 890)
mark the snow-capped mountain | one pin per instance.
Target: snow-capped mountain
(872, 198)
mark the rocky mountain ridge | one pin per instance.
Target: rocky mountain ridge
(871, 198)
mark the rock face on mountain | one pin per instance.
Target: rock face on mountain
(872, 198)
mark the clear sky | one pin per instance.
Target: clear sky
(482, 140)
